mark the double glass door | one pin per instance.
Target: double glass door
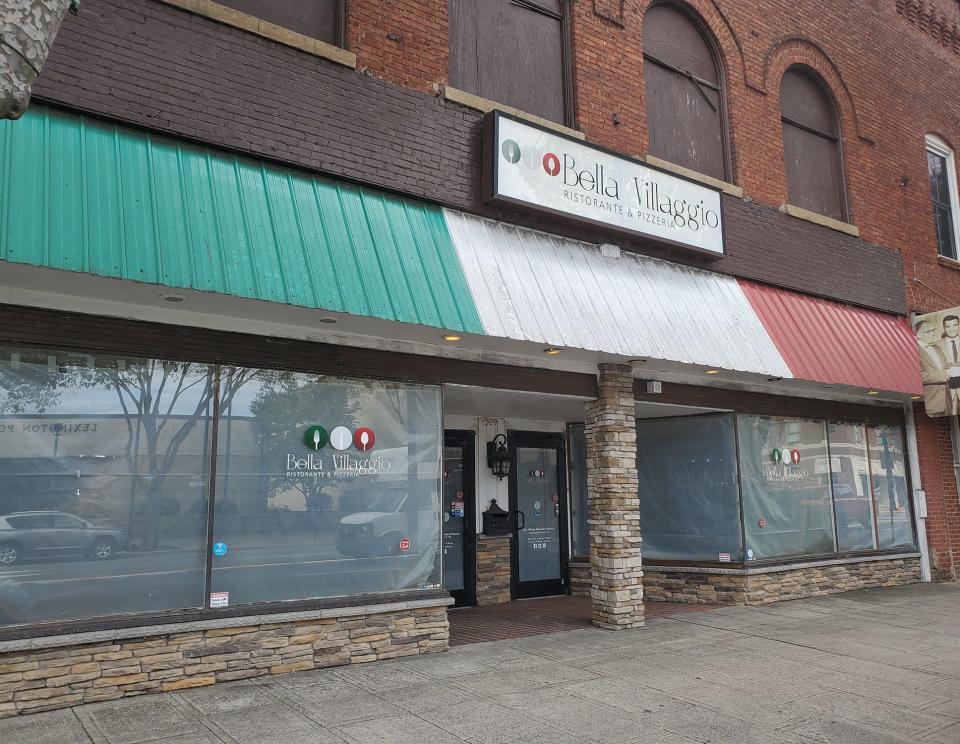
(538, 503)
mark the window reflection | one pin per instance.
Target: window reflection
(852, 499)
(103, 483)
(304, 508)
(887, 465)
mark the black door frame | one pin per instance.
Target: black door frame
(466, 439)
(549, 587)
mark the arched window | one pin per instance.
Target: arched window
(684, 89)
(811, 144)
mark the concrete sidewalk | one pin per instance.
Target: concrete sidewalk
(875, 666)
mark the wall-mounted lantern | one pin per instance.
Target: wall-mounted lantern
(499, 459)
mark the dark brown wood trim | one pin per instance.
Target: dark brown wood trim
(57, 329)
(769, 404)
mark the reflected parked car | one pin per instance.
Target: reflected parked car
(386, 523)
(51, 533)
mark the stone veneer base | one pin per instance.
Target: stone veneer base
(775, 584)
(493, 569)
(203, 653)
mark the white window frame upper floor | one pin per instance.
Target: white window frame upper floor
(937, 146)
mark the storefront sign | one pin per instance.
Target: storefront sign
(938, 339)
(338, 463)
(538, 168)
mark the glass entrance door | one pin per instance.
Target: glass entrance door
(459, 516)
(538, 501)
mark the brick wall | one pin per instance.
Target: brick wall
(45, 679)
(940, 483)
(663, 585)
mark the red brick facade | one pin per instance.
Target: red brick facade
(893, 67)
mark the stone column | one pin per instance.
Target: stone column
(613, 504)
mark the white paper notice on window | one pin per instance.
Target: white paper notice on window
(219, 599)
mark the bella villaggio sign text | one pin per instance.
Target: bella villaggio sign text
(534, 167)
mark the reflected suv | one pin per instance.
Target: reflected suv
(55, 533)
(390, 526)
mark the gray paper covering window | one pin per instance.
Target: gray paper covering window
(689, 506)
(785, 480)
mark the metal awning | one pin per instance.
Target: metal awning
(532, 286)
(82, 194)
(836, 343)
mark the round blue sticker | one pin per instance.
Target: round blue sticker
(219, 548)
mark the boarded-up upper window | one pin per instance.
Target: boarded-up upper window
(512, 52)
(811, 144)
(685, 109)
(318, 19)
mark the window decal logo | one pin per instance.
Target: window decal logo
(341, 438)
(315, 438)
(363, 439)
(785, 456)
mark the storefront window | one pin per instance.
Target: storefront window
(852, 500)
(104, 467)
(689, 505)
(786, 487)
(888, 468)
(577, 462)
(325, 487)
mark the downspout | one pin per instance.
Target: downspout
(919, 496)
(27, 30)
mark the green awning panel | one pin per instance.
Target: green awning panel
(85, 195)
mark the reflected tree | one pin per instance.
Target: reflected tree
(288, 404)
(163, 402)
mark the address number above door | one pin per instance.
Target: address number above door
(533, 167)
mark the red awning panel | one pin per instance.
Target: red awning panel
(835, 343)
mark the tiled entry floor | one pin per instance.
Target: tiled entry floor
(527, 617)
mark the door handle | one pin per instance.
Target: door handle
(523, 524)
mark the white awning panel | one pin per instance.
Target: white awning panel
(532, 286)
